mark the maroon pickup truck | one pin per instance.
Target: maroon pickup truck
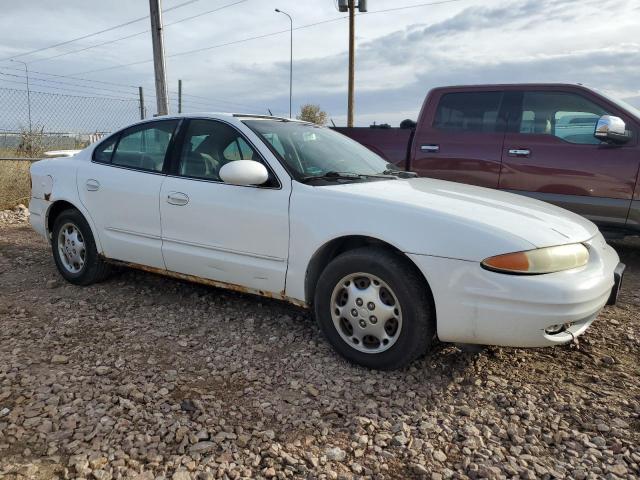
(564, 144)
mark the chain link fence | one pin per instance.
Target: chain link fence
(34, 122)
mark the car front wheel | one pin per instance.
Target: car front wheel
(375, 308)
(74, 250)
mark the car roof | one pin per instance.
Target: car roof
(514, 86)
(217, 115)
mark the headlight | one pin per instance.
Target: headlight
(541, 260)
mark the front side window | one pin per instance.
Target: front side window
(568, 116)
(312, 151)
(475, 112)
(144, 146)
(208, 146)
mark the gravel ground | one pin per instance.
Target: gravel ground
(146, 377)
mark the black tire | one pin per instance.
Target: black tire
(418, 330)
(95, 269)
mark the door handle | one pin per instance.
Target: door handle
(519, 152)
(177, 198)
(92, 185)
(430, 148)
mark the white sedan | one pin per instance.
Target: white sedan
(290, 210)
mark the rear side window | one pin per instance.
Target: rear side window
(144, 146)
(568, 116)
(103, 152)
(469, 112)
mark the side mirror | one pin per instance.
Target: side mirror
(244, 172)
(611, 129)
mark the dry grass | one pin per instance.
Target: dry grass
(14, 183)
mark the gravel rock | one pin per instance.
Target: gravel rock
(440, 456)
(335, 454)
(59, 359)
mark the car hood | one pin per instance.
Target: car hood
(536, 222)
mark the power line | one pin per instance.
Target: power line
(88, 48)
(129, 92)
(96, 33)
(258, 37)
(198, 50)
(215, 101)
(212, 101)
(126, 37)
(406, 7)
(65, 90)
(71, 76)
(96, 96)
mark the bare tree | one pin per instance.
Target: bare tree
(312, 113)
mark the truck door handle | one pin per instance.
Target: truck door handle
(92, 185)
(519, 152)
(177, 198)
(430, 148)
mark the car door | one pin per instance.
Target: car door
(460, 138)
(120, 189)
(227, 233)
(550, 153)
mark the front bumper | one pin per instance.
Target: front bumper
(478, 306)
(618, 275)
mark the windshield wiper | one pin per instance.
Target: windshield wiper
(400, 173)
(333, 175)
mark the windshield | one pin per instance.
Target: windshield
(313, 151)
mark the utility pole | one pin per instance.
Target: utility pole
(179, 96)
(350, 6)
(352, 61)
(26, 73)
(141, 100)
(162, 97)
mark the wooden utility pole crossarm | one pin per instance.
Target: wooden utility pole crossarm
(162, 96)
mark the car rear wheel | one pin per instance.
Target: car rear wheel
(74, 250)
(375, 308)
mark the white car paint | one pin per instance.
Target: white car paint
(124, 209)
(233, 234)
(264, 239)
(61, 153)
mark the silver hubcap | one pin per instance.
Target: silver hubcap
(366, 313)
(71, 248)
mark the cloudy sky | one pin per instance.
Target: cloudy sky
(401, 53)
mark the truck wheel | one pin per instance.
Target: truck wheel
(74, 250)
(375, 308)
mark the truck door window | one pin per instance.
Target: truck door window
(469, 112)
(568, 116)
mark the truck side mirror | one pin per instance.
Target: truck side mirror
(611, 129)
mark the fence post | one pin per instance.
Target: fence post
(179, 96)
(141, 95)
